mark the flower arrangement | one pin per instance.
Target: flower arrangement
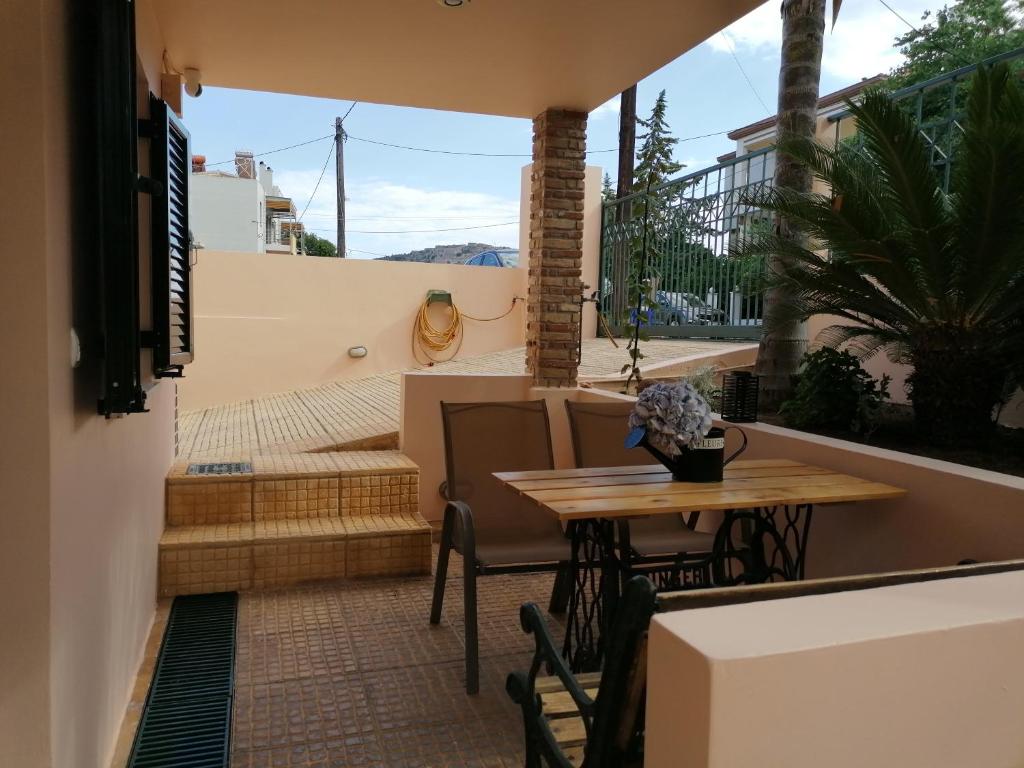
(675, 416)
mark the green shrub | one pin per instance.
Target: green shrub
(834, 391)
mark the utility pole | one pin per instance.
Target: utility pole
(627, 140)
(339, 157)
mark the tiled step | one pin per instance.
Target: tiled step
(237, 556)
(291, 518)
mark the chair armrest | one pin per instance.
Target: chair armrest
(522, 687)
(458, 519)
(442, 491)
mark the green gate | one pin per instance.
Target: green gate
(699, 289)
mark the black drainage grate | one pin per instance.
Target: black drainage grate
(187, 719)
(223, 468)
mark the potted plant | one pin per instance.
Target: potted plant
(672, 420)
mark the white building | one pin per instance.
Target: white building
(244, 211)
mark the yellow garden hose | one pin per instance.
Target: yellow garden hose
(429, 341)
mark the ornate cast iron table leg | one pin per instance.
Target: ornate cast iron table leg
(595, 592)
(795, 525)
(762, 544)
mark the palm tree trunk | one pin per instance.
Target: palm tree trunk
(803, 29)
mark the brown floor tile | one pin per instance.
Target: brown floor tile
(351, 673)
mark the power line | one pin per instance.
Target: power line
(895, 13)
(343, 117)
(732, 52)
(430, 149)
(418, 231)
(929, 41)
(408, 218)
(272, 151)
(322, 170)
(368, 253)
(440, 151)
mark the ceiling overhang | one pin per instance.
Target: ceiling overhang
(500, 57)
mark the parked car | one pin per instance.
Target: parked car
(684, 309)
(493, 259)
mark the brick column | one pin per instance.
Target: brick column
(556, 247)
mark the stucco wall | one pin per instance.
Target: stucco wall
(82, 496)
(920, 676)
(225, 213)
(274, 322)
(24, 423)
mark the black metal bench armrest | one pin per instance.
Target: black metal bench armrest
(547, 655)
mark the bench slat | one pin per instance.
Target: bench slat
(561, 703)
(569, 732)
(553, 683)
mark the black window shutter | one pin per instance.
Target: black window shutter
(171, 159)
(113, 198)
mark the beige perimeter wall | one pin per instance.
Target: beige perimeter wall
(82, 496)
(274, 322)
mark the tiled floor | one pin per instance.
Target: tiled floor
(353, 410)
(351, 673)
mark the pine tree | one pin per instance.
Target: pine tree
(654, 167)
(607, 192)
(654, 163)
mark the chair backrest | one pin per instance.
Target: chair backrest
(483, 438)
(599, 433)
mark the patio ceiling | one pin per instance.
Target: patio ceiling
(501, 57)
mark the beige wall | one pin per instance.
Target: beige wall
(951, 512)
(274, 322)
(922, 675)
(24, 435)
(82, 495)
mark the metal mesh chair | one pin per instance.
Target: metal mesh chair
(493, 529)
(598, 440)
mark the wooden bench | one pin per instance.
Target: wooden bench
(596, 720)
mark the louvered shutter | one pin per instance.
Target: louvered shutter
(172, 247)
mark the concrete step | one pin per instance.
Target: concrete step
(291, 518)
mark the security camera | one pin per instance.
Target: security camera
(193, 87)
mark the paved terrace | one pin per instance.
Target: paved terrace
(350, 673)
(364, 413)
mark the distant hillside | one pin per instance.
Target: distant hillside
(443, 254)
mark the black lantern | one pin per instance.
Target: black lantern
(739, 397)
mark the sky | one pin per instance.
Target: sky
(393, 195)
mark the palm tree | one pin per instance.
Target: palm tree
(933, 278)
(803, 28)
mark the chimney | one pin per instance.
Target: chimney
(266, 177)
(244, 166)
(198, 163)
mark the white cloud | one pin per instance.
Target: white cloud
(861, 45)
(610, 107)
(373, 207)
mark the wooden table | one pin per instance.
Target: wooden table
(776, 496)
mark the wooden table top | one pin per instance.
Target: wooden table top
(612, 492)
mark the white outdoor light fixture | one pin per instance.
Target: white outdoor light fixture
(359, 351)
(193, 86)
